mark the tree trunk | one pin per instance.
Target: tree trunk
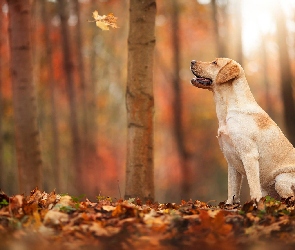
(219, 28)
(91, 142)
(140, 100)
(24, 100)
(1, 112)
(69, 74)
(88, 154)
(268, 102)
(177, 106)
(238, 20)
(285, 75)
(81, 68)
(51, 80)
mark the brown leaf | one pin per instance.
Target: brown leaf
(104, 22)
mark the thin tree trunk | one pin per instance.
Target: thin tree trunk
(69, 73)
(140, 100)
(1, 112)
(90, 157)
(219, 29)
(91, 102)
(88, 154)
(51, 80)
(268, 102)
(286, 75)
(24, 100)
(177, 106)
(238, 20)
(81, 68)
(91, 90)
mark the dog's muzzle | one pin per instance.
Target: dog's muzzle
(198, 81)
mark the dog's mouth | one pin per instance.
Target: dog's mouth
(200, 82)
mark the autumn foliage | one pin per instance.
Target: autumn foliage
(58, 221)
(65, 222)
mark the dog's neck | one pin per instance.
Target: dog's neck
(234, 95)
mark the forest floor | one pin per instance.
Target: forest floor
(52, 221)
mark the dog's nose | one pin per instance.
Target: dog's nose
(193, 62)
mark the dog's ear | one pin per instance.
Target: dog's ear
(228, 72)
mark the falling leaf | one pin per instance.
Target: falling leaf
(105, 21)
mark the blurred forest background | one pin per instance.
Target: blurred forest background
(260, 35)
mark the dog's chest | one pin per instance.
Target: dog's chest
(228, 149)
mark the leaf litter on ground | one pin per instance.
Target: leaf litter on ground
(58, 221)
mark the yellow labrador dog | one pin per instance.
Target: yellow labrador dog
(252, 143)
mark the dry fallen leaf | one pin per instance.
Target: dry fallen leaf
(104, 21)
(64, 222)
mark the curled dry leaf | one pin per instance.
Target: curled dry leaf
(105, 21)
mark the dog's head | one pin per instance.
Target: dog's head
(209, 75)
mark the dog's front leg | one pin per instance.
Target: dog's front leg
(234, 185)
(251, 166)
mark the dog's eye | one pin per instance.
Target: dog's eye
(214, 62)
